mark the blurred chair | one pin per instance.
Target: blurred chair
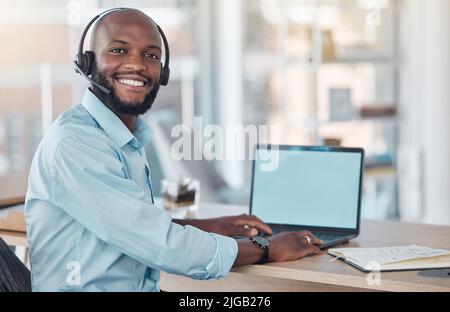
(14, 276)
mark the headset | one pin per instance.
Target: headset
(84, 60)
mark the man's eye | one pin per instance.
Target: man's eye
(152, 56)
(118, 51)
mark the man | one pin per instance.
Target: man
(91, 222)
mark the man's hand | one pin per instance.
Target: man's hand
(288, 246)
(235, 226)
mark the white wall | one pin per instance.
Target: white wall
(425, 111)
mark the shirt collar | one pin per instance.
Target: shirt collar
(113, 126)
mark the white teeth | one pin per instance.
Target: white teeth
(130, 82)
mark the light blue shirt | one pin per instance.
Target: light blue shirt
(90, 219)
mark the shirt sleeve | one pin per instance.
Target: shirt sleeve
(90, 185)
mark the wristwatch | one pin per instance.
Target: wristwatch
(264, 244)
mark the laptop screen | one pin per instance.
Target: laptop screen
(317, 187)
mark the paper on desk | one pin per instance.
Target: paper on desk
(389, 255)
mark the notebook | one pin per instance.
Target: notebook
(404, 258)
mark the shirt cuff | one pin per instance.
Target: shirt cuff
(224, 257)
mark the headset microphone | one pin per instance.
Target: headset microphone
(79, 71)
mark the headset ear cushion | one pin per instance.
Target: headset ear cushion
(81, 62)
(89, 59)
(165, 74)
(78, 61)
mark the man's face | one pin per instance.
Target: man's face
(128, 62)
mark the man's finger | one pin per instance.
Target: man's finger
(306, 233)
(245, 231)
(268, 230)
(312, 239)
(254, 223)
(315, 250)
(315, 240)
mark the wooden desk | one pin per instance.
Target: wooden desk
(4, 203)
(312, 273)
(12, 226)
(318, 274)
(14, 238)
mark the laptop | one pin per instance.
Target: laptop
(318, 189)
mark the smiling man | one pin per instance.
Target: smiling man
(91, 222)
(128, 62)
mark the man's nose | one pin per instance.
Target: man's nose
(135, 63)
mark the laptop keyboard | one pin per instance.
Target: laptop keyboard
(326, 237)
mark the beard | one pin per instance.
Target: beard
(117, 105)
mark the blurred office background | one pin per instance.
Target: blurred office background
(369, 73)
